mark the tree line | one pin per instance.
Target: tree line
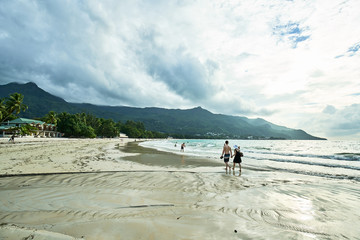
(79, 124)
(89, 126)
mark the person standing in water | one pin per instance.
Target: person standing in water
(237, 158)
(182, 147)
(226, 154)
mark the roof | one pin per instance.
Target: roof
(6, 127)
(25, 121)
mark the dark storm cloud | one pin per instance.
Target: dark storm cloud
(44, 40)
(177, 68)
(64, 43)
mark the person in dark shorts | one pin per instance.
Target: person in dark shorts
(12, 138)
(182, 147)
(237, 158)
(226, 154)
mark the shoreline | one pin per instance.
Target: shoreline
(50, 156)
(113, 189)
(153, 157)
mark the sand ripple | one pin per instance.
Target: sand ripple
(186, 204)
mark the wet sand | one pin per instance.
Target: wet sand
(152, 157)
(143, 197)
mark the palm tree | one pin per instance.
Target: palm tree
(14, 104)
(51, 117)
(2, 109)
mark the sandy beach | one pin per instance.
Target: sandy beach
(54, 155)
(114, 189)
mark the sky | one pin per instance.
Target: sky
(293, 63)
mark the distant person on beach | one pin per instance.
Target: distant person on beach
(226, 154)
(12, 138)
(182, 147)
(237, 158)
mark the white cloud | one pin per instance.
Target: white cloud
(282, 60)
(336, 123)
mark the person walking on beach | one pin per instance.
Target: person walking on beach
(182, 147)
(237, 158)
(226, 154)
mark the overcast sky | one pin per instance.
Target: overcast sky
(293, 63)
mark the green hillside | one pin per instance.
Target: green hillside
(190, 123)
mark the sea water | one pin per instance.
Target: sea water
(287, 189)
(330, 159)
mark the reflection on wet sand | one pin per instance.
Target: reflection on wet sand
(178, 203)
(87, 204)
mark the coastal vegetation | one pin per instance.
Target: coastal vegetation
(88, 125)
(74, 125)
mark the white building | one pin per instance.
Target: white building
(42, 129)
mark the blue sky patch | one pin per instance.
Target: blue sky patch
(290, 28)
(354, 49)
(291, 32)
(297, 39)
(351, 51)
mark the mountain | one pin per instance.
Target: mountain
(190, 123)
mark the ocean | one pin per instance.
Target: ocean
(287, 189)
(328, 159)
